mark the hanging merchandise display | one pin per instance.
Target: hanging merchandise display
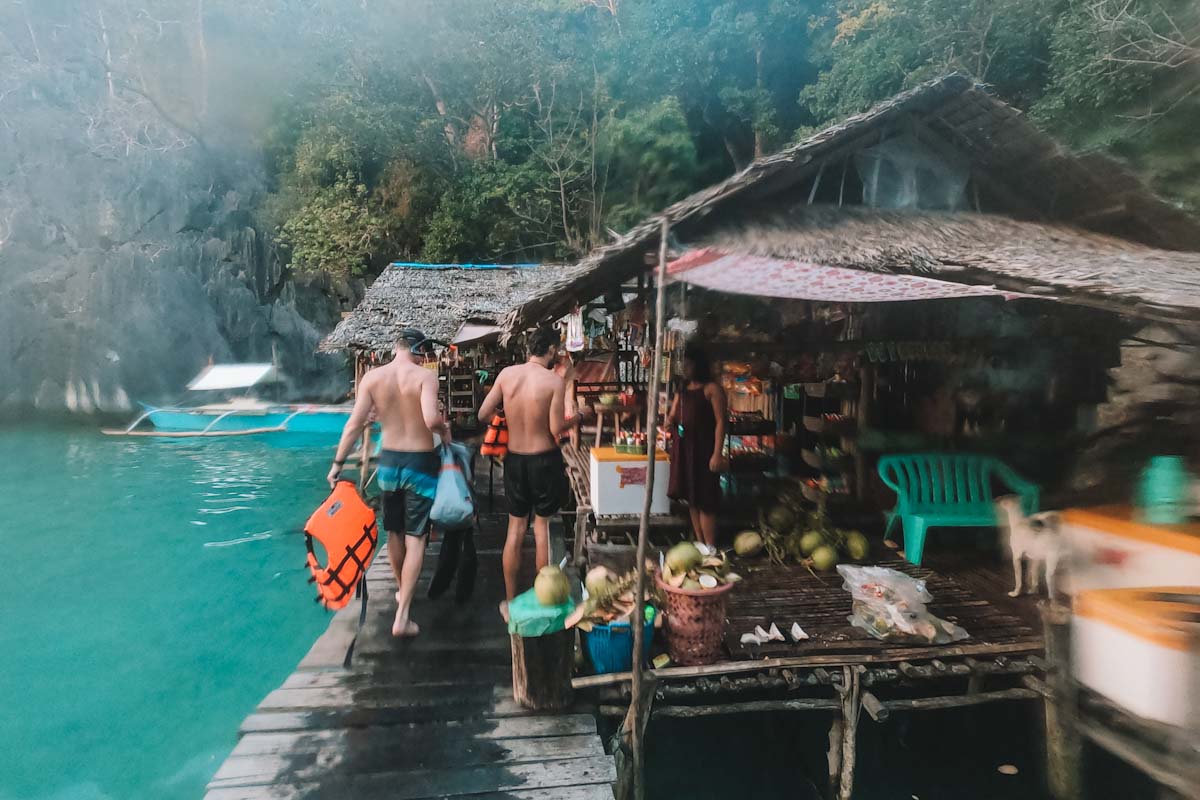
(575, 338)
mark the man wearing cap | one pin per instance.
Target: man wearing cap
(402, 396)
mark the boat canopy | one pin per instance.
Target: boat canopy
(233, 376)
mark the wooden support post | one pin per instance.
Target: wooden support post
(627, 776)
(836, 733)
(1064, 742)
(542, 670)
(639, 707)
(582, 513)
(851, 706)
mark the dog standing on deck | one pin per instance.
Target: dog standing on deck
(1034, 540)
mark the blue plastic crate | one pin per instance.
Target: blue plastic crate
(610, 647)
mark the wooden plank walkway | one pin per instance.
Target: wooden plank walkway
(431, 717)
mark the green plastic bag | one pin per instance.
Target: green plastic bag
(528, 618)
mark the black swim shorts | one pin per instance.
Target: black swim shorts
(535, 484)
(409, 484)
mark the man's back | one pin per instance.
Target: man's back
(396, 393)
(529, 391)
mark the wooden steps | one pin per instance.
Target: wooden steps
(431, 717)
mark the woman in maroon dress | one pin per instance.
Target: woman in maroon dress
(697, 457)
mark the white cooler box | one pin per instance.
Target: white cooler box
(1111, 549)
(619, 483)
(1140, 648)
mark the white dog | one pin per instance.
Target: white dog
(1033, 538)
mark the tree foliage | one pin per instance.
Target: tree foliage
(530, 129)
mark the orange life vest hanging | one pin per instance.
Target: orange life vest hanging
(495, 440)
(346, 527)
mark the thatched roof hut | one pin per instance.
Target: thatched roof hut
(1045, 207)
(988, 249)
(436, 298)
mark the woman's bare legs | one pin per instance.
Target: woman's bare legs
(708, 528)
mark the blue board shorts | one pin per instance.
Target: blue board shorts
(409, 483)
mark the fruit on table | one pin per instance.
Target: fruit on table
(551, 586)
(748, 543)
(793, 544)
(811, 541)
(683, 557)
(824, 557)
(599, 581)
(857, 546)
(781, 518)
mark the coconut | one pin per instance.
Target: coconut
(792, 543)
(748, 544)
(551, 586)
(824, 557)
(811, 541)
(693, 584)
(598, 581)
(857, 546)
(683, 557)
(708, 581)
(781, 518)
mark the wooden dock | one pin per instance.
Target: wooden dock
(431, 717)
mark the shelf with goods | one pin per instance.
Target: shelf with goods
(461, 398)
(830, 411)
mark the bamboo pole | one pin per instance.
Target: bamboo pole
(637, 704)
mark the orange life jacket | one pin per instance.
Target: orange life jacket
(345, 526)
(495, 441)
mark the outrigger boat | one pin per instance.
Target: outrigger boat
(238, 416)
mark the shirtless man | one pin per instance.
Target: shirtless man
(535, 478)
(403, 396)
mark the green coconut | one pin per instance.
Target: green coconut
(748, 543)
(598, 581)
(551, 586)
(811, 541)
(693, 584)
(792, 543)
(683, 557)
(857, 546)
(781, 518)
(825, 557)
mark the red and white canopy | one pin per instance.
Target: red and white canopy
(799, 280)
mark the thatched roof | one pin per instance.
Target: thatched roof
(1016, 170)
(437, 299)
(1030, 257)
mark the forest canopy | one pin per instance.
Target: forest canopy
(531, 130)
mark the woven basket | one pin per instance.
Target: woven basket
(695, 623)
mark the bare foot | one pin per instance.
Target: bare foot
(404, 628)
(504, 611)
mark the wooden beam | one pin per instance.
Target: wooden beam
(749, 707)
(823, 660)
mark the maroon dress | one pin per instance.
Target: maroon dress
(692, 482)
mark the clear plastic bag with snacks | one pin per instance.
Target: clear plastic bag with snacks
(890, 606)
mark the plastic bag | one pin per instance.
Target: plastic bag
(527, 617)
(890, 606)
(453, 506)
(883, 585)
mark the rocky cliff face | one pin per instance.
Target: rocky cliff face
(126, 266)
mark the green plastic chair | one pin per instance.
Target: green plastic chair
(947, 490)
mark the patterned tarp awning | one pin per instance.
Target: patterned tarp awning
(798, 280)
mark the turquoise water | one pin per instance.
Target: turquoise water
(156, 592)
